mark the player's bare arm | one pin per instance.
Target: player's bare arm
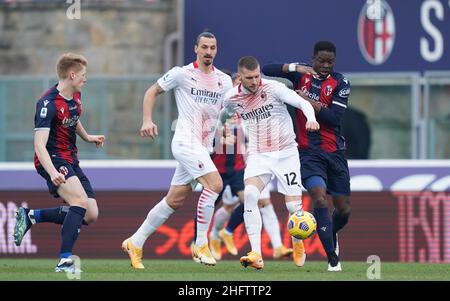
(40, 142)
(99, 140)
(149, 128)
(298, 68)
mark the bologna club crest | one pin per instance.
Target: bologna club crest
(63, 170)
(376, 31)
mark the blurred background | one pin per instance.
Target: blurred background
(395, 54)
(398, 64)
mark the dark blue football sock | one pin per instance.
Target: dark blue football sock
(324, 229)
(237, 218)
(52, 215)
(339, 221)
(70, 229)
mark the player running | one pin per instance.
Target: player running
(57, 122)
(199, 91)
(272, 150)
(324, 167)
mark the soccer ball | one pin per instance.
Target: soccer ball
(302, 225)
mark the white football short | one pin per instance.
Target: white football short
(194, 161)
(284, 165)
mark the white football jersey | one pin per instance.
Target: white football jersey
(199, 98)
(265, 115)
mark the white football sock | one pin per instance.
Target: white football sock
(292, 207)
(155, 218)
(220, 218)
(252, 217)
(205, 211)
(271, 225)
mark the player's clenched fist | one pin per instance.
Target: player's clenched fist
(312, 126)
(58, 178)
(149, 129)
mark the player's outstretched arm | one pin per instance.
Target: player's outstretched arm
(290, 97)
(149, 128)
(287, 70)
(99, 140)
(40, 142)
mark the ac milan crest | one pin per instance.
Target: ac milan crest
(200, 164)
(376, 31)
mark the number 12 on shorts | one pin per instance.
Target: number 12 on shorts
(291, 178)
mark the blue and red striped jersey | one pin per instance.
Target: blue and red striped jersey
(60, 116)
(230, 158)
(332, 93)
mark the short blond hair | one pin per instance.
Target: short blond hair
(69, 61)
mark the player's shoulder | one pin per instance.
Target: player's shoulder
(224, 78)
(343, 85)
(272, 84)
(340, 78)
(221, 73)
(232, 92)
(178, 69)
(49, 96)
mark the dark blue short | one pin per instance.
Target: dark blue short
(235, 180)
(332, 167)
(68, 170)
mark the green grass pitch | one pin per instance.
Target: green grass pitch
(187, 270)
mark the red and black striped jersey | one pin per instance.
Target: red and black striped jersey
(60, 116)
(230, 158)
(332, 93)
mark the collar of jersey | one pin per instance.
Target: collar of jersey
(244, 90)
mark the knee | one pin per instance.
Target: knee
(80, 201)
(263, 203)
(342, 205)
(216, 186)
(91, 217)
(320, 203)
(344, 209)
(251, 195)
(319, 197)
(175, 202)
(228, 208)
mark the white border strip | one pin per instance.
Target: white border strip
(173, 164)
(399, 163)
(99, 164)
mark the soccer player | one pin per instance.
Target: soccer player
(199, 91)
(323, 164)
(57, 122)
(272, 150)
(229, 160)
